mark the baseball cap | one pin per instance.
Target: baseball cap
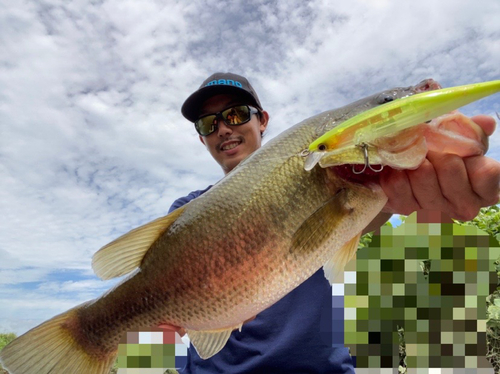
(219, 83)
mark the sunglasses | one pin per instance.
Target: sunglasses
(234, 116)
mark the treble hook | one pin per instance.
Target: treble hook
(364, 147)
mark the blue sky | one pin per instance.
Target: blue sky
(92, 142)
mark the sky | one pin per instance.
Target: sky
(92, 142)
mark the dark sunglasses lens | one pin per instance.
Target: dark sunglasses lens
(234, 116)
(237, 115)
(206, 125)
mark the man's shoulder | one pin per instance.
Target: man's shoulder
(186, 199)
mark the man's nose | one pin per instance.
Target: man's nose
(223, 129)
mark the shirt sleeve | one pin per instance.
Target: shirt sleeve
(186, 199)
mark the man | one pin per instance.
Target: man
(295, 334)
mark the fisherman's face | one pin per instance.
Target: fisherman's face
(229, 145)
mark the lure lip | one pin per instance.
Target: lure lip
(397, 115)
(311, 160)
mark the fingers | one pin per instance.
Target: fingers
(466, 184)
(487, 123)
(397, 187)
(181, 331)
(412, 190)
(458, 187)
(426, 186)
(484, 174)
(455, 195)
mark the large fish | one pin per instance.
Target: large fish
(221, 259)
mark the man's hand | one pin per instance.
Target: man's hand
(177, 329)
(182, 331)
(456, 186)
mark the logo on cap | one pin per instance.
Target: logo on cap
(227, 82)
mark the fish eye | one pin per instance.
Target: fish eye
(385, 98)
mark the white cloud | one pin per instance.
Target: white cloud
(92, 142)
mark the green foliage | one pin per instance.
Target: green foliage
(366, 239)
(114, 369)
(487, 220)
(4, 340)
(402, 218)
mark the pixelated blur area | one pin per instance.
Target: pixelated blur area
(151, 352)
(413, 301)
(415, 297)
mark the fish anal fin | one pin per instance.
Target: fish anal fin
(209, 342)
(339, 260)
(125, 254)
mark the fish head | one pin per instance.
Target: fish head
(392, 94)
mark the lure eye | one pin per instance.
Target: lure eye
(322, 147)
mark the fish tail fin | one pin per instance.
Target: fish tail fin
(52, 348)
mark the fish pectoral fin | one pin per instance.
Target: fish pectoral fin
(340, 258)
(209, 342)
(318, 227)
(124, 254)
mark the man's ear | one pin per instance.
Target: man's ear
(264, 120)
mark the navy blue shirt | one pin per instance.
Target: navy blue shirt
(292, 336)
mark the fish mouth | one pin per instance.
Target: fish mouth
(427, 85)
(366, 178)
(369, 176)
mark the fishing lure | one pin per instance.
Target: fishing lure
(392, 117)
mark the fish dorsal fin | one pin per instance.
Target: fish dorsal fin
(124, 254)
(340, 258)
(208, 343)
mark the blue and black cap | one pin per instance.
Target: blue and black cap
(219, 83)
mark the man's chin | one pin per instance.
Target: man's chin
(228, 165)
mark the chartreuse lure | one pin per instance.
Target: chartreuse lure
(397, 115)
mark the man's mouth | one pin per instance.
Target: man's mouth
(230, 144)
